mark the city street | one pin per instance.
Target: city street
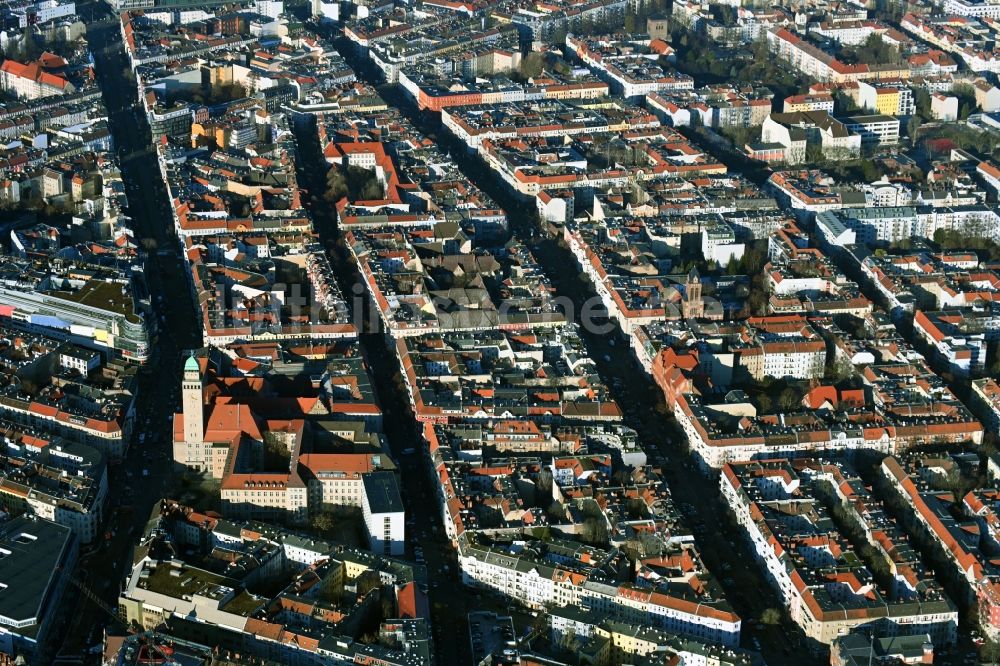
(133, 494)
(792, 212)
(137, 484)
(449, 599)
(724, 550)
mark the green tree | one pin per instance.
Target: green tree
(990, 651)
(870, 171)
(275, 456)
(594, 530)
(569, 642)
(532, 65)
(922, 103)
(322, 523)
(994, 370)
(771, 616)
(556, 512)
(366, 582)
(874, 51)
(336, 186)
(814, 153)
(839, 370)
(629, 22)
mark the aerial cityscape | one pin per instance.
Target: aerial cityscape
(526, 332)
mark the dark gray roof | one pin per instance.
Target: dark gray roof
(382, 492)
(31, 561)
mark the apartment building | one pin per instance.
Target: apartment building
(827, 589)
(885, 99)
(975, 8)
(892, 419)
(774, 346)
(382, 508)
(797, 131)
(817, 64)
(958, 339)
(986, 399)
(808, 102)
(944, 107)
(718, 244)
(874, 130)
(990, 174)
(630, 66)
(95, 410)
(324, 593)
(884, 225)
(43, 11)
(553, 575)
(617, 642)
(62, 482)
(929, 513)
(33, 80)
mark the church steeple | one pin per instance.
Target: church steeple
(693, 307)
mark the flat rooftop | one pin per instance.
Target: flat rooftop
(180, 581)
(383, 492)
(104, 296)
(32, 551)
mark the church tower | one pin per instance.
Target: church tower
(693, 306)
(193, 406)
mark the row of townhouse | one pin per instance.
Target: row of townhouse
(958, 338)
(714, 106)
(634, 73)
(615, 641)
(475, 124)
(539, 582)
(436, 94)
(750, 24)
(538, 23)
(959, 529)
(958, 35)
(665, 154)
(670, 299)
(885, 225)
(257, 198)
(986, 400)
(713, 446)
(893, 419)
(817, 64)
(826, 587)
(533, 373)
(82, 399)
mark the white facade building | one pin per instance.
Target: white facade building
(384, 515)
